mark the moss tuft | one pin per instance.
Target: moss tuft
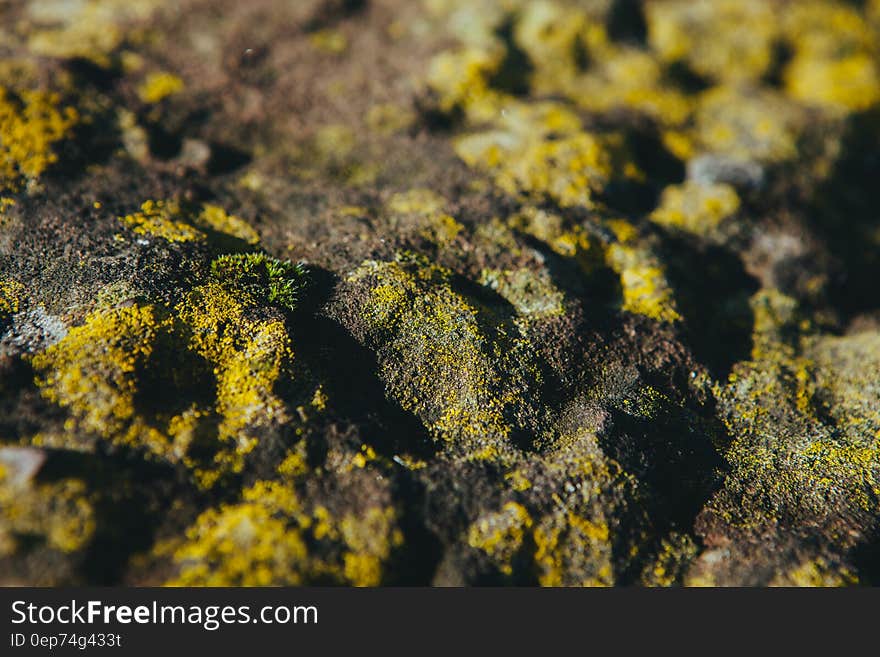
(264, 278)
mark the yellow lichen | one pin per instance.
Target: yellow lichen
(643, 281)
(247, 544)
(723, 39)
(425, 209)
(748, 123)
(417, 318)
(10, 296)
(61, 512)
(850, 84)
(531, 294)
(267, 539)
(629, 78)
(571, 550)
(669, 566)
(31, 124)
(158, 86)
(834, 58)
(570, 241)
(216, 218)
(817, 573)
(460, 79)
(90, 29)
(500, 535)
(162, 219)
(696, 208)
(333, 42)
(417, 201)
(247, 357)
(387, 118)
(97, 372)
(541, 150)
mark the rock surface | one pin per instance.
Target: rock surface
(451, 292)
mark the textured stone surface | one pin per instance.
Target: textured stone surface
(464, 292)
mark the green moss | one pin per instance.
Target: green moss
(263, 277)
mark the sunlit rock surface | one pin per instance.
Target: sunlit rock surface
(365, 292)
